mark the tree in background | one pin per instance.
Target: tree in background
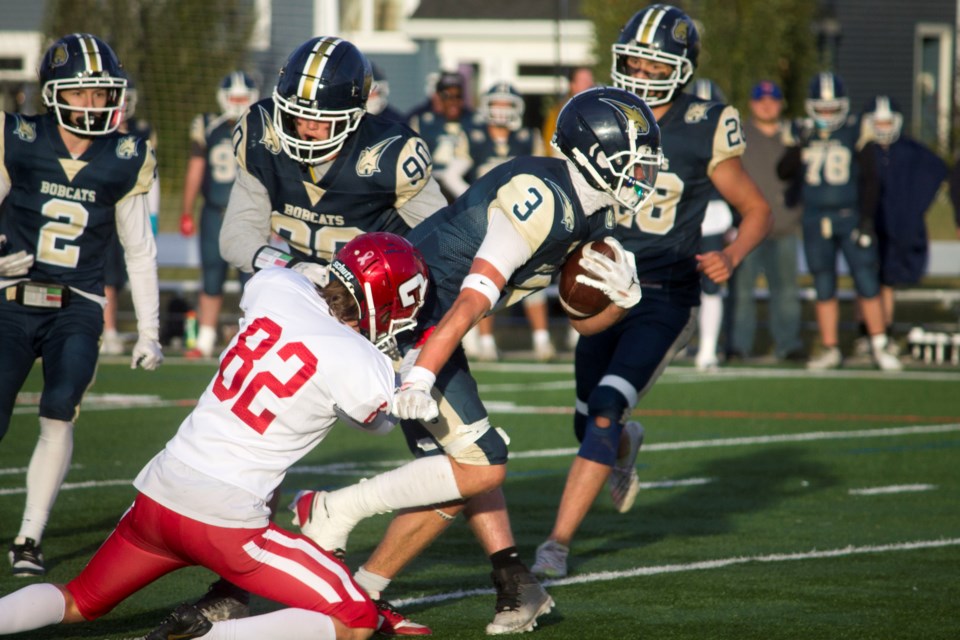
(743, 41)
(176, 51)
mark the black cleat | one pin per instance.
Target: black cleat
(224, 601)
(26, 559)
(184, 623)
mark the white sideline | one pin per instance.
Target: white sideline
(606, 576)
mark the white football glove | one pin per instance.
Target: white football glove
(318, 274)
(15, 264)
(146, 353)
(413, 401)
(616, 277)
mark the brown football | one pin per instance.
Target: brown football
(581, 300)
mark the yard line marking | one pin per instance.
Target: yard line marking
(896, 488)
(67, 486)
(720, 563)
(748, 440)
(510, 408)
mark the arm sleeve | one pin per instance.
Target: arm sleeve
(504, 246)
(790, 164)
(246, 223)
(955, 192)
(140, 254)
(423, 205)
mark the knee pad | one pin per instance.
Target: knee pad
(600, 444)
(611, 402)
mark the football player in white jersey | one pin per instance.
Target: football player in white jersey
(304, 357)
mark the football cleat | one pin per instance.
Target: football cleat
(551, 560)
(184, 623)
(224, 601)
(26, 558)
(310, 513)
(623, 482)
(886, 361)
(393, 623)
(829, 358)
(521, 599)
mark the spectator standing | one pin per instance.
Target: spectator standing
(776, 256)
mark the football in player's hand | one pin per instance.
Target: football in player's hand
(577, 299)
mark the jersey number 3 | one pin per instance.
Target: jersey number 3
(234, 380)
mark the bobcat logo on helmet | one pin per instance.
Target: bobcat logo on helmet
(680, 30)
(59, 56)
(26, 131)
(369, 161)
(632, 114)
(127, 147)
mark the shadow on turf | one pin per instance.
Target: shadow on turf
(748, 483)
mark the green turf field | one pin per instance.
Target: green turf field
(776, 504)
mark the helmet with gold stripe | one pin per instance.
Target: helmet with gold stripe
(320, 98)
(83, 84)
(660, 34)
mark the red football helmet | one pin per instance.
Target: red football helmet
(388, 278)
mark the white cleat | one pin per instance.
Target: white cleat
(551, 560)
(624, 483)
(310, 513)
(829, 358)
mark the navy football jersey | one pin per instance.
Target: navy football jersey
(61, 209)
(831, 171)
(538, 198)
(211, 137)
(696, 135)
(381, 166)
(445, 139)
(487, 153)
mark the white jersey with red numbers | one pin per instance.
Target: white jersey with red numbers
(276, 395)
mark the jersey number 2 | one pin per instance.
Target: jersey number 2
(232, 381)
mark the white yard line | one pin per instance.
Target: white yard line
(896, 488)
(720, 563)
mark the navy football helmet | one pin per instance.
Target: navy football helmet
(660, 33)
(83, 61)
(388, 278)
(502, 106)
(236, 93)
(327, 80)
(883, 120)
(612, 138)
(827, 102)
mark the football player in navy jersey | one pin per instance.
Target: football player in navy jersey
(504, 238)
(498, 135)
(69, 184)
(827, 152)
(211, 171)
(317, 170)
(445, 128)
(655, 58)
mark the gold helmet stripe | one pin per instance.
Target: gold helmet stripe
(91, 53)
(648, 27)
(313, 69)
(826, 87)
